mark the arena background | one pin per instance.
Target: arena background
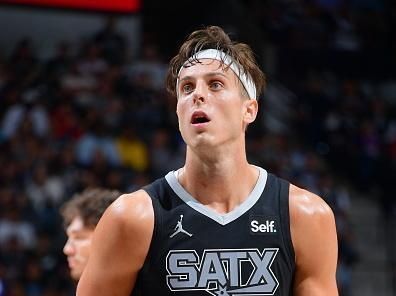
(82, 104)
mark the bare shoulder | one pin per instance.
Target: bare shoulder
(311, 219)
(311, 223)
(132, 208)
(129, 216)
(126, 225)
(314, 238)
(307, 205)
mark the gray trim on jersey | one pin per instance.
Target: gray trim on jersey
(222, 219)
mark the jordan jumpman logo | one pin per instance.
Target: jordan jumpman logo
(179, 228)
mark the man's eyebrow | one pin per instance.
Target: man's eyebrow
(83, 230)
(186, 78)
(210, 74)
(73, 230)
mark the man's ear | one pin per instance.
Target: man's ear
(250, 110)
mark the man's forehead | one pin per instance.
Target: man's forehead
(207, 67)
(77, 225)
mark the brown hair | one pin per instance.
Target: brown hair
(89, 205)
(214, 37)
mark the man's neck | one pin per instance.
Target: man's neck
(222, 184)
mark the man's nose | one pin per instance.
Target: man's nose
(68, 249)
(200, 92)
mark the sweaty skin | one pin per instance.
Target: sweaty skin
(215, 163)
(314, 239)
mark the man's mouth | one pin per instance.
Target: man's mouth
(199, 117)
(72, 263)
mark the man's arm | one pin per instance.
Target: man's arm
(120, 244)
(314, 239)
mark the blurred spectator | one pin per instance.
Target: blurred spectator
(339, 200)
(279, 100)
(14, 230)
(78, 85)
(95, 142)
(44, 189)
(111, 42)
(59, 64)
(149, 70)
(65, 123)
(91, 62)
(22, 62)
(345, 36)
(163, 156)
(132, 150)
(31, 110)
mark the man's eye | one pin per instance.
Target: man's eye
(80, 237)
(216, 85)
(187, 88)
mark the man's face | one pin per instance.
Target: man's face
(77, 247)
(210, 106)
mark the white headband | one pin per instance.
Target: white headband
(215, 54)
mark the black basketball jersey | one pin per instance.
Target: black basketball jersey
(197, 251)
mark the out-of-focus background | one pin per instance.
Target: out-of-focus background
(82, 104)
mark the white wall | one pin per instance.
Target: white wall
(46, 27)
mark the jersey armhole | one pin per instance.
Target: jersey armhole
(285, 221)
(157, 226)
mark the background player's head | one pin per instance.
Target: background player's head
(81, 214)
(217, 82)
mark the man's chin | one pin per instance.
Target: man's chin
(75, 275)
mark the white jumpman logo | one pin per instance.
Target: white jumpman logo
(179, 228)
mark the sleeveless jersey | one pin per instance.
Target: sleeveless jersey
(197, 251)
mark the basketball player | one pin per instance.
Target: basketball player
(218, 225)
(80, 215)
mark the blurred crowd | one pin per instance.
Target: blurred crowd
(93, 116)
